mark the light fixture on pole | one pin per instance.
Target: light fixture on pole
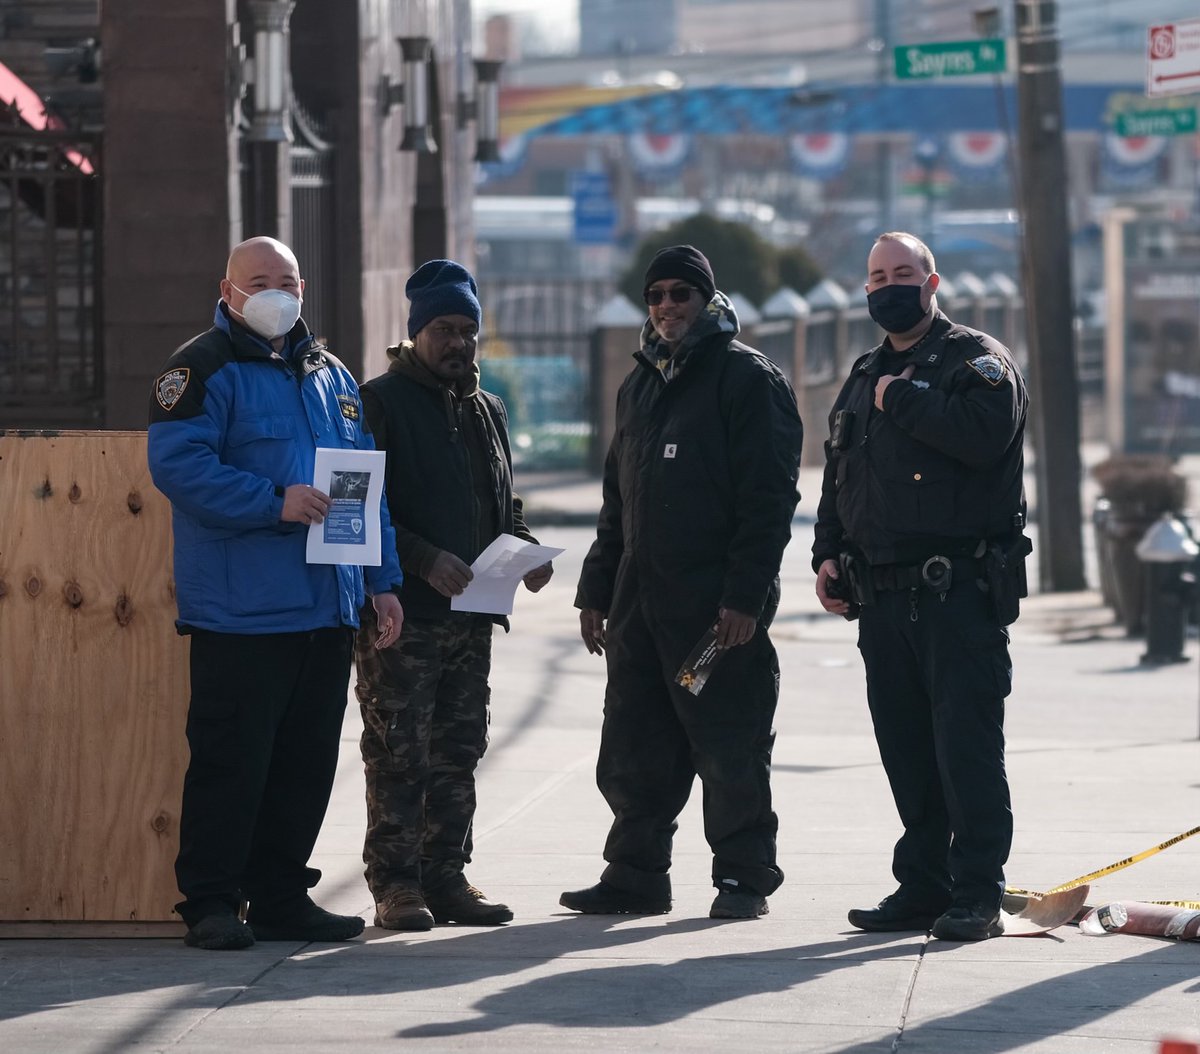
(487, 109)
(271, 122)
(413, 91)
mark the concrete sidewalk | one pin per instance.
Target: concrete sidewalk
(1103, 758)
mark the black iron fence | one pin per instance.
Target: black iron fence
(51, 352)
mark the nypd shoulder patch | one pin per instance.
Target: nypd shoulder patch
(169, 388)
(349, 407)
(989, 367)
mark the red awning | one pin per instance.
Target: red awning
(15, 92)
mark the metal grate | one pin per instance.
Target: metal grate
(51, 367)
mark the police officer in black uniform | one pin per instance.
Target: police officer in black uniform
(919, 536)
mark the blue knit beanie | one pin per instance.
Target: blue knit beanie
(440, 287)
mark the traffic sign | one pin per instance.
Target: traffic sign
(595, 211)
(955, 58)
(1156, 122)
(1173, 58)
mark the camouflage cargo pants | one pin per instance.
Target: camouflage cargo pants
(424, 705)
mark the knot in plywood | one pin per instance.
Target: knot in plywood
(123, 610)
(73, 594)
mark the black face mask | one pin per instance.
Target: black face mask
(896, 308)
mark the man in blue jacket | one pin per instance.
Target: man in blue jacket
(236, 418)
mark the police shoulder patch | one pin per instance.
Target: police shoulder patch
(990, 367)
(169, 388)
(349, 407)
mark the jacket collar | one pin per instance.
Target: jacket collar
(249, 345)
(927, 349)
(402, 359)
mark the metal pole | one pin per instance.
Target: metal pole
(1049, 297)
(883, 145)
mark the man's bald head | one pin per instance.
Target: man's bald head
(258, 254)
(257, 264)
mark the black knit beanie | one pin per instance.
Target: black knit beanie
(687, 264)
(441, 287)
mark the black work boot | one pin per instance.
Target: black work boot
(219, 933)
(459, 901)
(303, 922)
(968, 922)
(605, 899)
(897, 913)
(737, 904)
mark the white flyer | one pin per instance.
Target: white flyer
(498, 571)
(350, 534)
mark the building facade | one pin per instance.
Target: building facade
(165, 106)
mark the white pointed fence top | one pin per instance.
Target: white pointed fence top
(827, 293)
(786, 303)
(747, 313)
(619, 313)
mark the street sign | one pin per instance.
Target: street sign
(1173, 58)
(956, 58)
(1156, 122)
(595, 211)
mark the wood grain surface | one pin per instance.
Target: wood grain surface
(93, 683)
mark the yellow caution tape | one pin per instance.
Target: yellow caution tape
(1120, 865)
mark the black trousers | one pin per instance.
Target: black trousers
(657, 738)
(263, 727)
(936, 688)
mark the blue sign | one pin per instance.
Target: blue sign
(595, 209)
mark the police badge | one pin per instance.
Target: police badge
(169, 388)
(989, 367)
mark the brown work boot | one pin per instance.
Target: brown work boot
(403, 909)
(461, 902)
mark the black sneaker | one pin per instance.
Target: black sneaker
(305, 923)
(968, 923)
(731, 904)
(462, 903)
(219, 933)
(895, 914)
(603, 899)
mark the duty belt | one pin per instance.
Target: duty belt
(888, 578)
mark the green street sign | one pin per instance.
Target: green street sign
(959, 58)
(1156, 122)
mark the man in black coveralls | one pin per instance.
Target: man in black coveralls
(699, 491)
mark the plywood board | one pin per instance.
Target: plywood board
(93, 683)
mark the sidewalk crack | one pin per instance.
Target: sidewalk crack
(240, 991)
(908, 995)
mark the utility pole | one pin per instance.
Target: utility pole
(883, 145)
(1054, 404)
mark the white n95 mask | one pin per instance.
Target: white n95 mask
(270, 313)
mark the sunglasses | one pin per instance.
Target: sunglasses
(679, 294)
